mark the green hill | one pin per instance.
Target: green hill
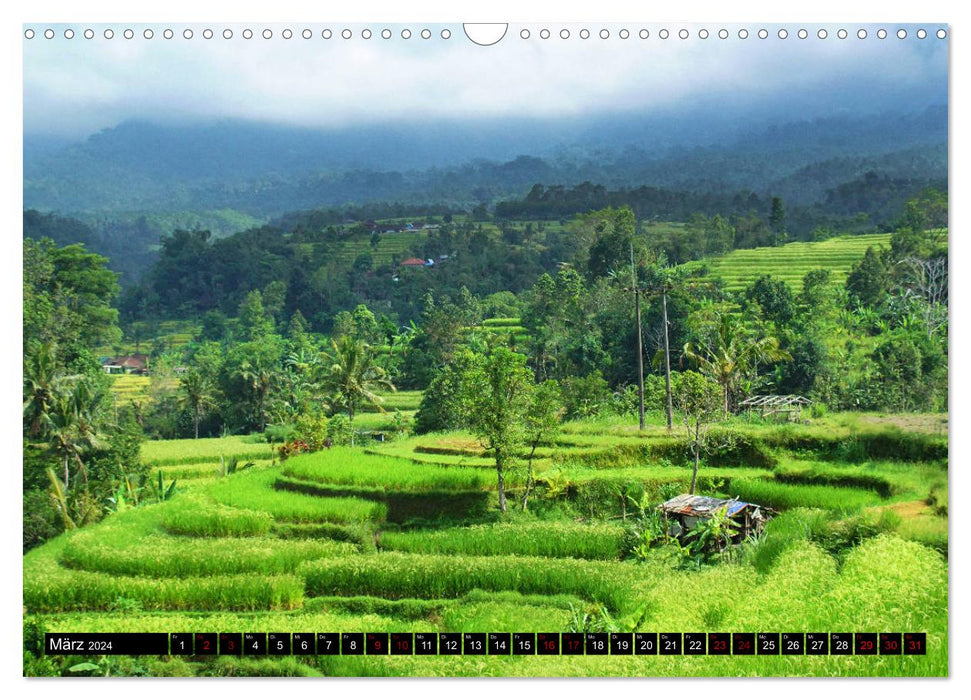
(792, 261)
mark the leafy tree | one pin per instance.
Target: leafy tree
(365, 325)
(565, 339)
(868, 281)
(274, 299)
(344, 325)
(253, 319)
(698, 400)
(925, 211)
(613, 233)
(542, 423)
(777, 219)
(809, 361)
(442, 405)
(215, 325)
(469, 307)
(352, 377)
(816, 291)
(67, 296)
(909, 373)
(585, 397)
(774, 298)
(433, 343)
(300, 340)
(498, 395)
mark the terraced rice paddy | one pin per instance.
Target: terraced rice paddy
(390, 247)
(130, 387)
(792, 261)
(399, 537)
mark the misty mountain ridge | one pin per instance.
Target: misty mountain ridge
(267, 169)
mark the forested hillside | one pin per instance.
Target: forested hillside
(139, 181)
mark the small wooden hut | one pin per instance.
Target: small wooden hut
(684, 512)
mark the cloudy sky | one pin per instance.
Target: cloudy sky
(74, 87)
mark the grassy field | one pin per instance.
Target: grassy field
(792, 261)
(405, 536)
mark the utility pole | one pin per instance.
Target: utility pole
(640, 341)
(667, 357)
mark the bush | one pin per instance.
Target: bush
(275, 434)
(41, 521)
(339, 431)
(584, 397)
(937, 498)
(312, 430)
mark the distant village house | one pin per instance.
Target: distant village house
(126, 364)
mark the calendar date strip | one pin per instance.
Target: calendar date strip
(489, 644)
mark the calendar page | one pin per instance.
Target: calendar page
(531, 349)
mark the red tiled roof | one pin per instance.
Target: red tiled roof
(415, 262)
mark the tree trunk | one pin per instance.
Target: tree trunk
(502, 481)
(694, 473)
(195, 420)
(529, 476)
(725, 395)
(667, 360)
(350, 420)
(84, 472)
(67, 474)
(528, 489)
(696, 449)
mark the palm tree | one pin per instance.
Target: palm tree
(197, 390)
(300, 386)
(733, 353)
(40, 378)
(351, 376)
(71, 427)
(260, 377)
(42, 384)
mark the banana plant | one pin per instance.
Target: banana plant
(232, 465)
(125, 496)
(159, 491)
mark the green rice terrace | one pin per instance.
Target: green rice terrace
(404, 535)
(792, 261)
